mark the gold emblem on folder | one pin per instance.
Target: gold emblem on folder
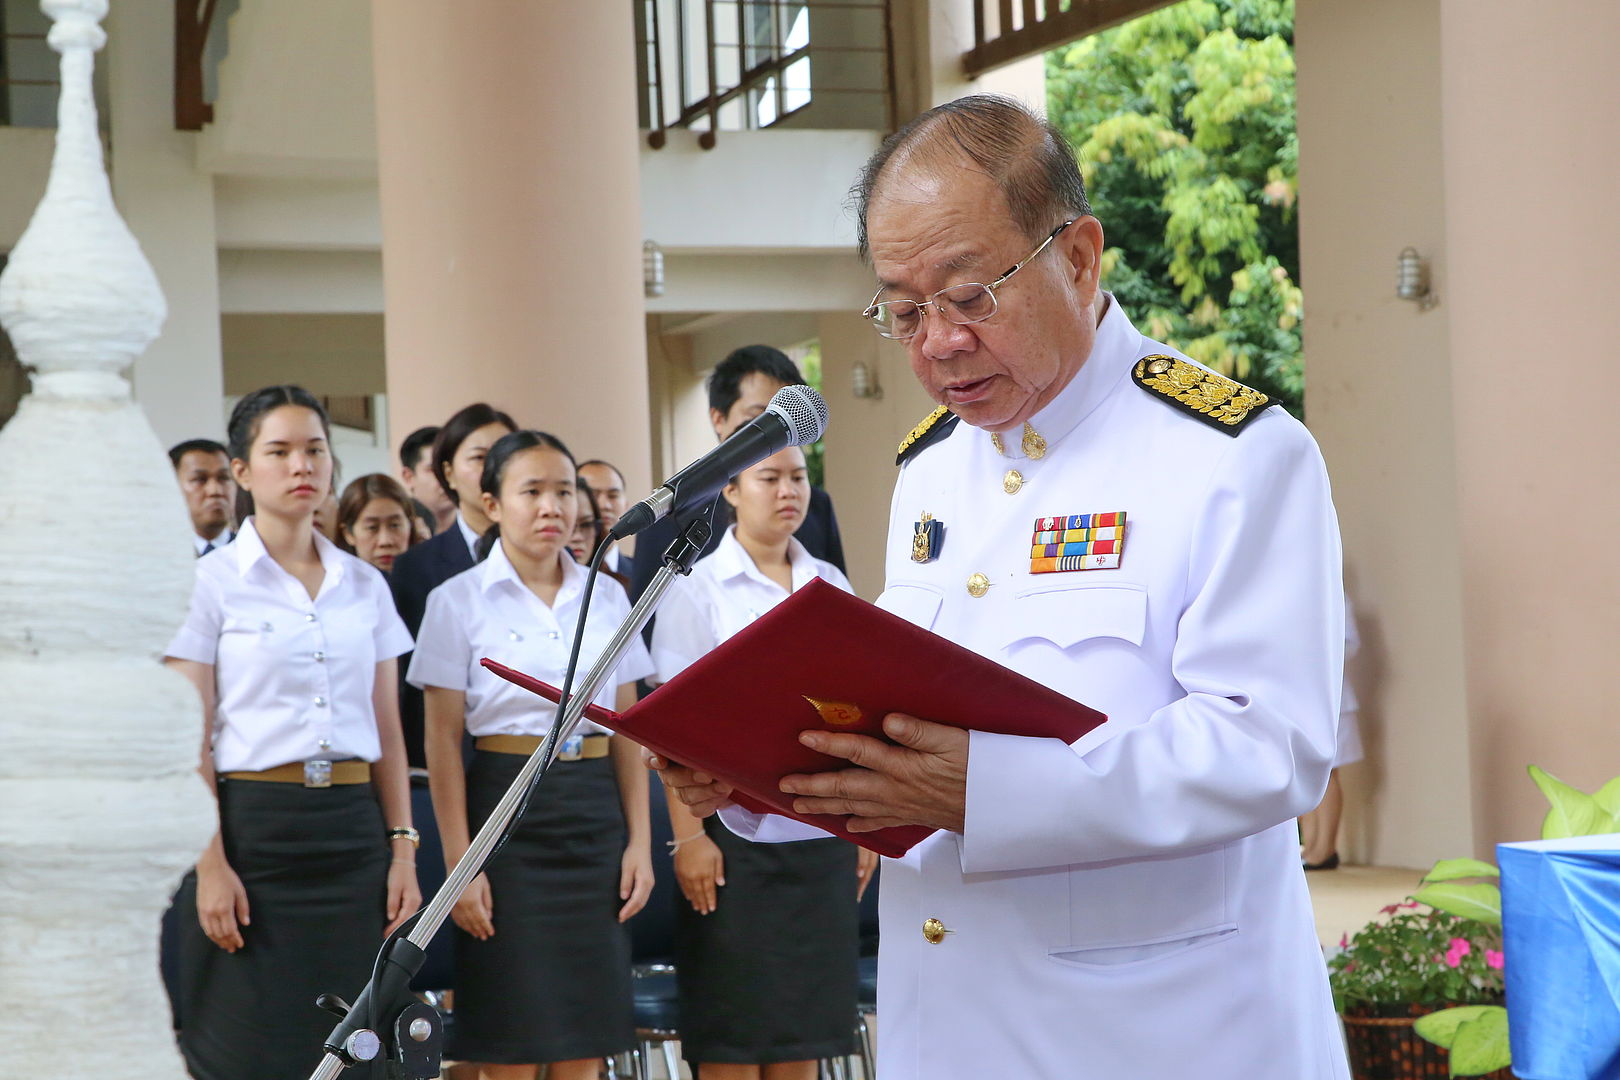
(837, 713)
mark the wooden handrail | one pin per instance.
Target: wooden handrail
(1044, 28)
(191, 25)
(706, 109)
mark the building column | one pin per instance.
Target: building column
(508, 165)
(1528, 293)
(169, 204)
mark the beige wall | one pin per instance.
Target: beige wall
(169, 206)
(1466, 130)
(1529, 295)
(1378, 398)
(507, 161)
(862, 437)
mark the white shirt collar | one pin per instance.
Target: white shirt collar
(732, 560)
(497, 570)
(251, 552)
(1116, 346)
(468, 535)
(200, 543)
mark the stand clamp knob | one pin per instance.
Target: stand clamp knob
(363, 1045)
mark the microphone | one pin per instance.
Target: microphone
(797, 415)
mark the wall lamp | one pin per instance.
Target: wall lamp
(1412, 279)
(652, 269)
(863, 381)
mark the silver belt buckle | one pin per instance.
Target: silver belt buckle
(317, 774)
(573, 748)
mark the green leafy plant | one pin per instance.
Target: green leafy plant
(1411, 956)
(1477, 1035)
(1184, 123)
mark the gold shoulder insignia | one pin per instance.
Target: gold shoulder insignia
(933, 426)
(1222, 403)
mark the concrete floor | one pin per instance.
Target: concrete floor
(1348, 898)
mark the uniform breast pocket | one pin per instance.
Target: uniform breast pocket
(916, 603)
(1081, 640)
(1135, 911)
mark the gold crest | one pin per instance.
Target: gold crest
(1221, 402)
(836, 713)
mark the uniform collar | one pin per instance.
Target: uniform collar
(467, 534)
(250, 552)
(497, 571)
(1116, 346)
(731, 560)
(200, 543)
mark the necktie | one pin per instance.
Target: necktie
(209, 546)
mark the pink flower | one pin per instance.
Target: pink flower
(1344, 941)
(1493, 959)
(1389, 909)
(1459, 948)
(1410, 904)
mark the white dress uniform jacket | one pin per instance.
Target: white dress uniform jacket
(1130, 907)
(487, 611)
(294, 676)
(724, 593)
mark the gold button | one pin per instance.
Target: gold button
(934, 931)
(1158, 367)
(1012, 481)
(978, 585)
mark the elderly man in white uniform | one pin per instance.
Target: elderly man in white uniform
(1095, 511)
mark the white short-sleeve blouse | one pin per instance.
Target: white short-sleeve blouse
(724, 593)
(293, 676)
(487, 611)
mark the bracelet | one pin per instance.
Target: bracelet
(675, 845)
(405, 832)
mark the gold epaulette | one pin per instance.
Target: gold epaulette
(1222, 403)
(933, 426)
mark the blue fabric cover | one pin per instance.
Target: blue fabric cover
(1561, 924)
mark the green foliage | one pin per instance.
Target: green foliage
(1457, 869)
(1476, 1035)
(1482, 902)
(1184, 121)
(1573, 812)
(815, 455)
(1411, 957)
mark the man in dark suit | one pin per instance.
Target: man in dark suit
(740, 387)
(458, 456)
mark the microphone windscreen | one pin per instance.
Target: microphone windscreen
(803, 410)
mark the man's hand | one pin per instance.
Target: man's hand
(923, 781)
(701, 793)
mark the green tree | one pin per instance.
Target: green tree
(1184, 122)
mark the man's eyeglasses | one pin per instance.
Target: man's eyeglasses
(969, 302)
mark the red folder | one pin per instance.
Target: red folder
(825, 659)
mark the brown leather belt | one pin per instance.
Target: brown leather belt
(591, 746)
(311, 774)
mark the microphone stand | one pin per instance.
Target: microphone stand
(387, 1020)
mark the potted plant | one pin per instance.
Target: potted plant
(1421, 989)
(1411, 962)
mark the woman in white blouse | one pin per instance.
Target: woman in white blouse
(292, 645)
(768, 938)
(542, 955)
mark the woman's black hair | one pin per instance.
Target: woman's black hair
(455, 432)
(495, 462)
(248, 417)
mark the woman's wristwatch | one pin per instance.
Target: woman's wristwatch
(405, 832)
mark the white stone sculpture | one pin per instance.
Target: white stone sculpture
(101, 807)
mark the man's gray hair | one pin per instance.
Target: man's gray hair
(1029, 160)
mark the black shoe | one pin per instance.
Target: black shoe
(1329, 863)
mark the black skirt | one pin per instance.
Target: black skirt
(553, 983)
(771, 974)
(314, 863)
